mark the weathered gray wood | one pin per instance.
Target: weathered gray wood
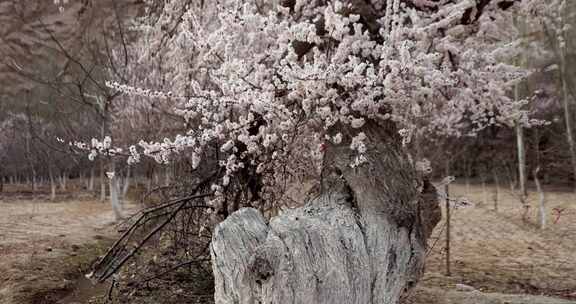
(321, 253)
(361, 239)
(237, 238)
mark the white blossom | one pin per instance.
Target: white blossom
(426, 73)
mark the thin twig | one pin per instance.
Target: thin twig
(172, 269)
(109, 292)
(114, 249)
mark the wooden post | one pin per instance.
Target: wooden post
(448, 273)
(447, 189)
(496, 189)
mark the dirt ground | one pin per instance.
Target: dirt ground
(497, 257)
(46, 246)
(498, 252)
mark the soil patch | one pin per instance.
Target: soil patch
(504, 251)
(46, 247)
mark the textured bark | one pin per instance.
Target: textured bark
(541, 199)
(360, 239)
(114, 189)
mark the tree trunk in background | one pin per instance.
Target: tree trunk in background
(52, 188)
(91, 182)
(126, 184)
(34, 182)
(113, 185)
(496, 189)
(484, 194)
(447, 209)
(167, 177)
(156, 178)
(521, 150)
(149, 175)
(102, 181)
(541, 194)
(361, 239)
(84, 180)
(542, 199)
(52, 184)
(567, 113)
(520, 143)
(63, 178)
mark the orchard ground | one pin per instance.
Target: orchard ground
(503, 251)
(46, 247)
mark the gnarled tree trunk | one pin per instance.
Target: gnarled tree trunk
(360, 239)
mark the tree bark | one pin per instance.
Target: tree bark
(496, 194)
(91, 182)
(84, 180)
(566, 104)
(520, 143)
(448, 224)
(360, 239)
(34, 182)
(113, 185)
(126, 184)
(102, 181)
(542, 199)
(521, 160)
(63, 178)
(52, 185)
(167, 176)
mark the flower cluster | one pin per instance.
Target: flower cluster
(97, 147)
(266, 82)
(61, 4)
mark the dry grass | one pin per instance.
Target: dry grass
(500, 252)
(45, 246)
(495, 252)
